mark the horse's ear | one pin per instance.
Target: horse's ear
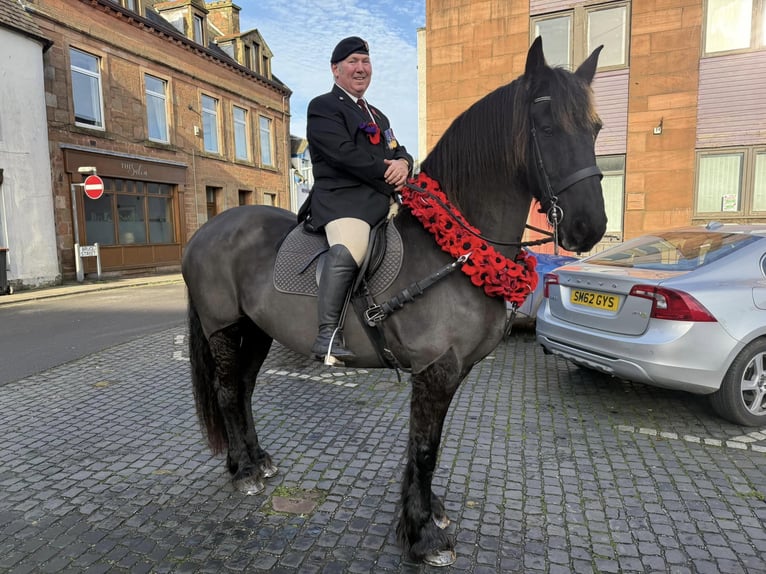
(535, 58)
(588, 68)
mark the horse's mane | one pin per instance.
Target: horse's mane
(489, 142)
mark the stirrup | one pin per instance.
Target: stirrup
(330, 360)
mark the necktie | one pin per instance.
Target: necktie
(362, 104)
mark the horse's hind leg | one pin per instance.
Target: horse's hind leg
(422, 521)
(239, 352)
(255, 347)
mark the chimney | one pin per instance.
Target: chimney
(224, 15)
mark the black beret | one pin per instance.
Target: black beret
(348, 46)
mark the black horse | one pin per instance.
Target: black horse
(531, 139)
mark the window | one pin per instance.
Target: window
(731, 183)
(245, 197)
(269, 198)
(241, 150)
(734, 25)
(129, 213)
(199, 35)
(613, 186)
(86, 89)
(248, 59)
(211, 200)
(557, 39)
(264, 125)
(210, 124)
(156, 108)
(257, 59)
(572, 35)
(129, 4)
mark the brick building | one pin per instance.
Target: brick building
(680, 90)
(176, 109)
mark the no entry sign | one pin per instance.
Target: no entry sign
(94, 186)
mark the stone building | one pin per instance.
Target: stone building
(679, 88)
(178, 112)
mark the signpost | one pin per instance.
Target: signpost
(94, 186)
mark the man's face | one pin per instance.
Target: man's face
(353, 74)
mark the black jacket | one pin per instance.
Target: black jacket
(348, 168)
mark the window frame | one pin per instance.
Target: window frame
(270, 136)
(757, 30)
(97, 77)
(206, 116)
(133, 193)
(747, 183)
(580, 33)
(615, 233)
(244, 127)
(198, 29)
(165, 99)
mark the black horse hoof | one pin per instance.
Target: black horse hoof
(249, 486)
(442, 522)
(441, 558)
(270, 470)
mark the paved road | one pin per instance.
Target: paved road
(545, 469)
(36, 335)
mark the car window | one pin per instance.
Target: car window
(674, 251)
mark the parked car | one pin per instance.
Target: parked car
(527, 311)
(682, 309)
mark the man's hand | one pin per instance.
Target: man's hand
(397, 172)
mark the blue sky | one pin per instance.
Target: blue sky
(303, 33)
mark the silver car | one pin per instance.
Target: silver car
(682, 309)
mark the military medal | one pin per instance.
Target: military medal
(390, 139)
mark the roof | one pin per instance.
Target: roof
(14, 16)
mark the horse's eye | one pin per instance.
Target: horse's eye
(547, 130)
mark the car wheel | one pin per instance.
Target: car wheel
(742, 396)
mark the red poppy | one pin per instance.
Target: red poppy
(487, 268)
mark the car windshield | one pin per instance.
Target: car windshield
(674, 250)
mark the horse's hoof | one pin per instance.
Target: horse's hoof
(441, 558)
(270, 471)
(250, 487)
(441, 522)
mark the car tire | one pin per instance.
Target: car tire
(742, 396)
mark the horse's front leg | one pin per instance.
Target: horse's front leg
(232, 393)
(422, 521)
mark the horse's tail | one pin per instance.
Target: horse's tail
(203, 384)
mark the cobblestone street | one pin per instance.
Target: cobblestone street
(544, 468)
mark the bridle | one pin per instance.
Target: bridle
(548, 200)
(550, 197)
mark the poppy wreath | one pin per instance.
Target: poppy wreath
(372, 130)
(486, 267)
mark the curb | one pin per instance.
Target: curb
(87, 287)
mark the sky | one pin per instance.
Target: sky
(302, 34)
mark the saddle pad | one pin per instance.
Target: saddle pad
(300, 247)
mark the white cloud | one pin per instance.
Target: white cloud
(303, 33)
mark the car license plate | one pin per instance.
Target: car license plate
(594, 299)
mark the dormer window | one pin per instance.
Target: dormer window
(247, 58)
(129, 4)
(199, 29)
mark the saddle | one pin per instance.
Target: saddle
(299, 261)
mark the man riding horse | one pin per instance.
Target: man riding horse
(358, 165)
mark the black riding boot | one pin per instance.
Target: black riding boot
(338, 274)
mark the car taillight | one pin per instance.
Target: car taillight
(549, 279)
(672, 305)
